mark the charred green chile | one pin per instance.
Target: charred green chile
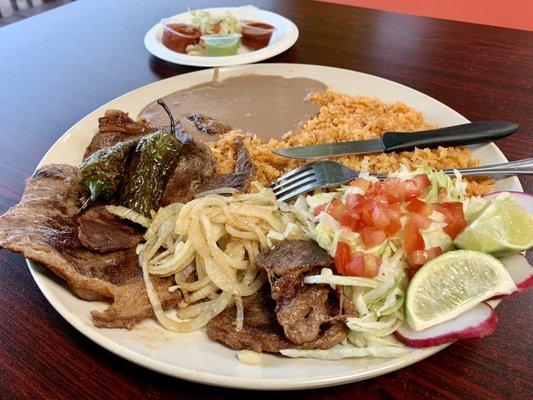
(102, 173)
(156, 156)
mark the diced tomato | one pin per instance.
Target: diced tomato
(390, 189)
(336, 208)
(381, 199)
(364, 211)
(453, 216)
(408, 189)
(356, 266)
(342, 256)
(391, 184)
(419, 221)
(456, 221)
(395, 211)
(380, 216)
(434, 252)
(372, 264)
(366, 217)
(393, 227)
(361, 183)
(422, 181)
(318, 209)
(352, 200)
(411, 239)
(418, 206)
(351, 220)
(419, 257)
(372, 237)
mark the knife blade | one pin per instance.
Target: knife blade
(458, 135)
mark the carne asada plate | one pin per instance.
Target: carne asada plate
(195, 356)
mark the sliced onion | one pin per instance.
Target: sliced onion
(128, 213)
(193, 310)
(239, 320)
(182, 326)
(228, 283)
(342, 280)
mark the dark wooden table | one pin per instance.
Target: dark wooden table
(58, 66)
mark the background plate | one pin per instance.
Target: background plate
(193, 356)
(284, 37)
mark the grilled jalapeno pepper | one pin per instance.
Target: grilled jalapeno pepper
(154, 158)
(101, 174)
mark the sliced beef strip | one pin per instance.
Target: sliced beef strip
(261, 331)
(207, 125)
(288, 261)
(240, 178)
(116, 126)
(195, 165)
(119, 121)
(43, 227)
(304, 311)
(102, 231)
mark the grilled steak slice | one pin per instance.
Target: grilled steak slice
(119, 121)
(102, 231)
(261, 331)
(116, 126)
(208, 125)
(196, 164)
(306, 312)
(240, 178)
(43, 227)
(288, 261)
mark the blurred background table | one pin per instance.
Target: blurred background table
(58, 66)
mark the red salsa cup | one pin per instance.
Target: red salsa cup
(256, 34)
(177, 36)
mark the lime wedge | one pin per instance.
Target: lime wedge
(504, 227)
(451, 284)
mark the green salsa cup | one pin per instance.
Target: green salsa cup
(218, 46)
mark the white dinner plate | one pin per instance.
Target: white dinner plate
(284, 37)
(193, 356)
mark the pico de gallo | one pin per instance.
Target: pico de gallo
(369, 220)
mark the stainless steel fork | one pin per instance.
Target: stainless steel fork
(323, 174)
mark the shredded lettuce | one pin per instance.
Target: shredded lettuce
(434, 235)
(319, 199)
(455, 191)
(215, 23)
(340, 352)
(473, 207)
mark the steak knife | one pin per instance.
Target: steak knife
(457, 135)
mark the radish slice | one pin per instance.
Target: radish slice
(521, 272)
(524, 199)
(476, 322)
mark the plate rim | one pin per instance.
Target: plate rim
(175, 371)
(285, 43)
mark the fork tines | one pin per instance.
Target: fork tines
(295, 182)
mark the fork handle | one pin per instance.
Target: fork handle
(519, 167)
(458, 135)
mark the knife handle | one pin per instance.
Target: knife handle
(458, 135)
